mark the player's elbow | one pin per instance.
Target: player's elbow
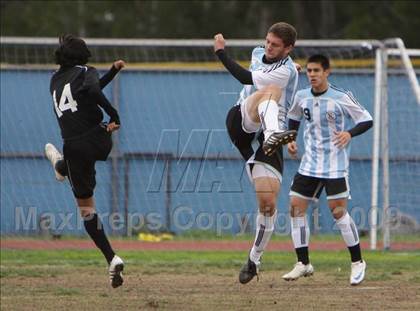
(367, 124)
(267, 203)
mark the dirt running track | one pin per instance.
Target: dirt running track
(198, 245)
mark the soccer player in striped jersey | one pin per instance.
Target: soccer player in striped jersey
(260, 116)
(330, 114)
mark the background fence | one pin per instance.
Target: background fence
(173, 167)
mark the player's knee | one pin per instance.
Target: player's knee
(337, 211)
(273, 91)
(267, 210)
(86, 204)
(267, 205)
(296, 210)
(294, 201)
(86, 211)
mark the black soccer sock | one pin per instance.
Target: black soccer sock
(302, 254)
(355, 253)
(94, 228)
(61, 167)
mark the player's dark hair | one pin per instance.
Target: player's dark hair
(284, 31)
(320, 59)
(72, 51)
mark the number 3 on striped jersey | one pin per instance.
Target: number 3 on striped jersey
(66, 101)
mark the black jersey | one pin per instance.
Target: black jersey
(77, 96)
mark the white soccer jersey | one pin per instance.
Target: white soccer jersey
(282, 73)
(334, 110)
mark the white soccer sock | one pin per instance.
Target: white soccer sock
(269, 115)
(348, 230)
(264, 230)
(300, 231)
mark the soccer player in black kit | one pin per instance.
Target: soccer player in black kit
(77, 95)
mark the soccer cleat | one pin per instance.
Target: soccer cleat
(277, 139)
(357, 272)
(115, 271)
(248, 271)
(298, 271)
(54, 155)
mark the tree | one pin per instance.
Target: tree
(202, 19)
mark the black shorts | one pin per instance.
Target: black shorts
(80, 155)
(243, 141)
(310, 188)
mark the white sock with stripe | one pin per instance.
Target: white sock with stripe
(348, 230)
(300, 231)
(264, 230)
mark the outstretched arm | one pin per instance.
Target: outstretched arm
(241, 74)
(106, 78)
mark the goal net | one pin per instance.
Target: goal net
(173, 168)
(400, 149)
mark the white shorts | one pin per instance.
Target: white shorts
(260, 169)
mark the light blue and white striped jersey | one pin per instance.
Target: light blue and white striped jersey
(282, 73)
(334, 110)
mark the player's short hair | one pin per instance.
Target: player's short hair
(284, 31)
(320, 59)
(72, 51)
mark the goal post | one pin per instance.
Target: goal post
(392, 47)
(379, 75)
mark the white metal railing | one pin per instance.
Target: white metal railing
(189, 42)
(404, 54)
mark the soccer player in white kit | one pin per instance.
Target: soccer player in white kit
(260, 116)
(330, 114)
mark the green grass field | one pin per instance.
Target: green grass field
(185, 280)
